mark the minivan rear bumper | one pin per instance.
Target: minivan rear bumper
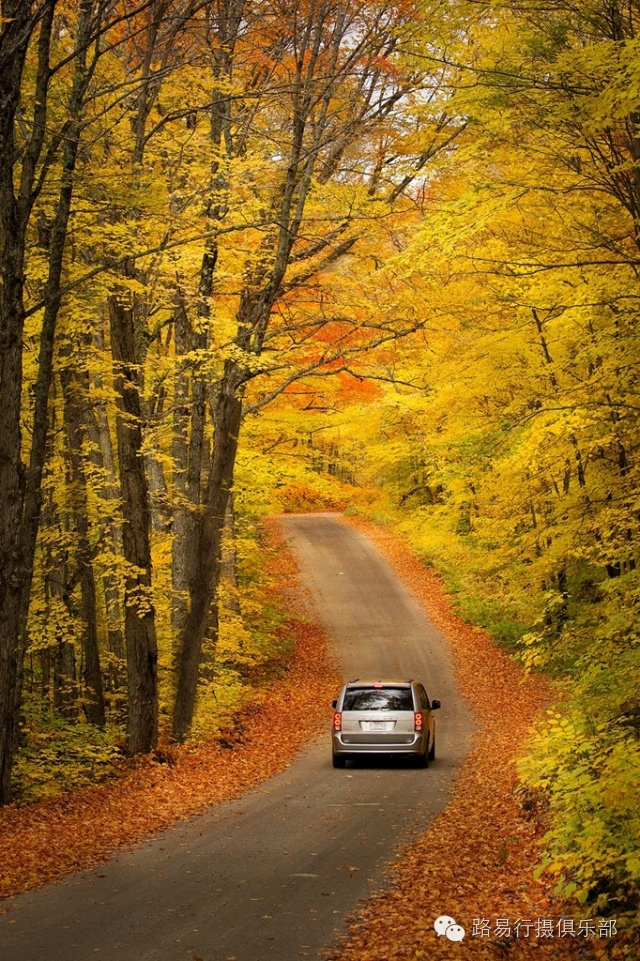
(352, 745)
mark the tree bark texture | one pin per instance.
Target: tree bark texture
(65, 682)
(19, 23)
(21, 521)
(140, 631)
(204, 582)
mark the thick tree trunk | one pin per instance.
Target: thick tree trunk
(158, 494)
(20, 522)
(13, 567)
(18, 24)
(140, 631)
(189, 443)
(52, 300)
(209, 554)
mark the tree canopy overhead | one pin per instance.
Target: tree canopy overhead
(187, 188)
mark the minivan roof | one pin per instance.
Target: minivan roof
(377, 682)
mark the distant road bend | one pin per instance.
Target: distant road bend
(273, 874)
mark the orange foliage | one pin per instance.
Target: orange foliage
(298, 498)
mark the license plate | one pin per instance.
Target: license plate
(377, 725)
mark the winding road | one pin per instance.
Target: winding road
(275, 873)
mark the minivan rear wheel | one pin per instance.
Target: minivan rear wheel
(338, 761)
(423, 759)
(432, 749)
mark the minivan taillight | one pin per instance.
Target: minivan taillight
(337, 721)
(418, 721)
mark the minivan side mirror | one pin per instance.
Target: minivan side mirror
(334, 704)
(435, 704)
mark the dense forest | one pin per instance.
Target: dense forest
(261, 256)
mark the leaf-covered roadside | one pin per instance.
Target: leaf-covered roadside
(42, 842)
(478, 857)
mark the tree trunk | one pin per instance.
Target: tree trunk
(20, 518)
(75, 396)
(140, 631)
(52, 300)
(56, 576)
(13, 566)
(16, 30)
(204, 584)
(44, 657)
(229, 569)
(102, 456)
(184, 519)
(189, 445)
(158, 494)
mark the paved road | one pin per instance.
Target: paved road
(274, 874)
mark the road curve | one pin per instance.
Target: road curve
(274, 874)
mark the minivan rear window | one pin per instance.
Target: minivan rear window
(378, 699)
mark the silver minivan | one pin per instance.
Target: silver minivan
(383, 717)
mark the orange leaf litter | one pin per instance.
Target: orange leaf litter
(41, 842)
(476, 860)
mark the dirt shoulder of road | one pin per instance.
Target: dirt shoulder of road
(40, 843)
(477, 859)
